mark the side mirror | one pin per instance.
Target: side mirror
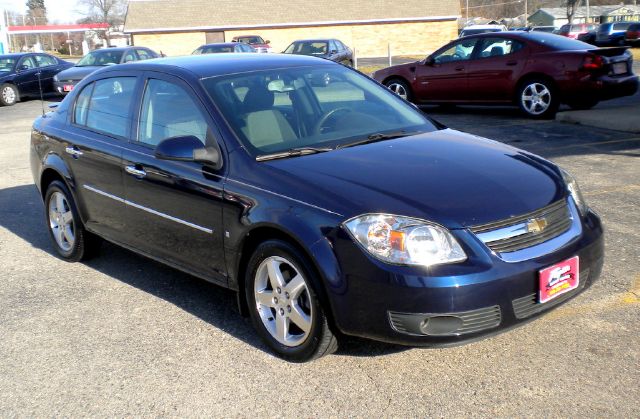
(23, 67)
(334, 51)
(188, 148)
(267, 42)
(430, 60)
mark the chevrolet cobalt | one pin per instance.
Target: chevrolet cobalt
(329, 204)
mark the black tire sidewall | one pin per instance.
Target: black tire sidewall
(77, 251)
(404, 84)
(554, 105)
(15, 90)
(309, 348)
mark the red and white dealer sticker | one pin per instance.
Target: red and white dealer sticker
(559, 278)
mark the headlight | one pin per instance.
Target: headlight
(55, 78)
(405, 241)
(574, 190)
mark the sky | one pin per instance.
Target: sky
(62, 11)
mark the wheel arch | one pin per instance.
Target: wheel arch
(534, 76)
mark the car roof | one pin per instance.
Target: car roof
(483, 26)
(15, 54)
(211, 65)
(115, 49)
(222, 44)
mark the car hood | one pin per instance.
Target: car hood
(77, 73)
(448, 177)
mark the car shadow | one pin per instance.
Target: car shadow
(210, 303)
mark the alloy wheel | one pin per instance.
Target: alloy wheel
(283, 301)
(8, 95)
(398, 89)
(61, 221)
(536, 98)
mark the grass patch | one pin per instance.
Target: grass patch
(636, 53)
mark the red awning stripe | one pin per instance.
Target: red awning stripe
(58, 28)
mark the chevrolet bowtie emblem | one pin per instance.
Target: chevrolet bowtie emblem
(536, 225)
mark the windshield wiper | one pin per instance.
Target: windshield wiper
(379, 137)
(293, 152)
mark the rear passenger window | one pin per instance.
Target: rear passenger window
(492, 47)
(105, 105)
(169, 111)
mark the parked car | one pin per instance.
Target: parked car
(612, 33)
(25, 74)
(632, 36)
(223, 47)
(478, 29)
(518, 68)
(330, 49)
(588, 37)
(66, 80)
(255, 41)
(255, 174)
(575, 30)
(549, 29)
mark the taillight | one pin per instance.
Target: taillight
(593, 62)
(633, 34)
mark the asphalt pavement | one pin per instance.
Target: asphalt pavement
(121, 335)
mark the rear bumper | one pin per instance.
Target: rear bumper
(484, 295)
(601, 88)
(58, 86)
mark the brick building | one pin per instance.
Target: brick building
(412, 27)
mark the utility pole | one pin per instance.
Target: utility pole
(588, 12)
(467, 10)
(526, 13)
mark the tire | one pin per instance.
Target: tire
(538, 98)
(583, 105)
(279, 287)
(9, 95)
(72, 242)
(400, 88)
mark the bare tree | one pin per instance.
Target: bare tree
(104, 11)
(572, 7)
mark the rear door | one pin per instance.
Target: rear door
(49, 67)
(444, 79)
(494, 71)
(174, 209)
(100, 124)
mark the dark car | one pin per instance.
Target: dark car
(65, 81)
(255, 41)
(223, 47)
(328, 207)
(632, 36)
(536, 71)
(27, 74)
(548, 29)
(330, 49)
(612, 33)
(588, 37)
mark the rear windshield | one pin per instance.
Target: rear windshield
(250, 39)
(308, 48)
(558, 42)
(101, 57)
(468, 32)
(212, 49)
(7, 63)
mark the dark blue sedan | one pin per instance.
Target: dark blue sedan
(27, 74)
(330, 205)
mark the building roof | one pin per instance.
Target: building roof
(171, 15)
(561, 12)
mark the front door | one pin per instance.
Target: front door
(27, 78)
(493, 73)
(443, 78)
(174, 209)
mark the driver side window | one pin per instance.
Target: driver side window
(460, 51)
(28, 62)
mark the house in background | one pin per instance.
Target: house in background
(557, 16)
(416, 27)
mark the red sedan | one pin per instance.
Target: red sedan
(535, 70)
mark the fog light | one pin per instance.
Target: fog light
(441, 325)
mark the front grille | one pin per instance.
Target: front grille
(469, 321)
(528, 305)
(512, 234)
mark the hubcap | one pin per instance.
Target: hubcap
(61, 221)
(536, 98)
(283, 301)
(398, 89)
(8, 95)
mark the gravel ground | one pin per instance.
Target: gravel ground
(124, 336)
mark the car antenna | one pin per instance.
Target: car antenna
(40, 89)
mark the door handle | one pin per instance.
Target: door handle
(74, 151)
(512, 63)
(132, 170)
(459, 68)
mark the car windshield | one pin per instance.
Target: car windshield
(558, 42)
(7, 64)
(326, 107)
(212, 49)
(467, 32)
(100, 57)
(308, 48)
(251, 40)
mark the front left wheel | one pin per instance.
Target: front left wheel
(8, 94)
(283, 304)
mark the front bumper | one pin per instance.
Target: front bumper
(483, 296)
